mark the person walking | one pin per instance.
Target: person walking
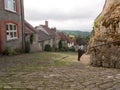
(80, 52)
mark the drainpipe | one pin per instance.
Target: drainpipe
(22, 24)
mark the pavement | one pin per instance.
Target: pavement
(76, 76)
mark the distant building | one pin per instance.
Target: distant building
(48, 35)
(56, 38)
(70, 41)
(63, 39)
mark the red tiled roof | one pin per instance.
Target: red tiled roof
(47, 29)
(57, 35)
(62, 36)
(42, 36)
(75, 42)
(29, 29)
(51, 31)
(69, 40)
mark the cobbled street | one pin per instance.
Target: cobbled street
(75, 76)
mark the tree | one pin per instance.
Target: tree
(47, 47)
(81, 41)
(87, 38)
(31, 38)
(60, 44)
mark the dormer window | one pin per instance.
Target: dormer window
(10, 5)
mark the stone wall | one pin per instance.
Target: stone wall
(45, 42)
(106, 30)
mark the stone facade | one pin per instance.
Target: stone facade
(31, 36)
(47, 35)
(15, 17)
(44, 39)
(106, 36)
(56, 38)
(63, 39)
(45, 42)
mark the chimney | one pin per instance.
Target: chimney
(55, 29)
(46, 23)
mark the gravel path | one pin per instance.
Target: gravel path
(76, 76)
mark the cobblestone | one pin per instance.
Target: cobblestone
(77, 76)
(106, 85)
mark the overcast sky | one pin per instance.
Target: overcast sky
(63, 14)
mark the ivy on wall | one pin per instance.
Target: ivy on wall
(31, 38)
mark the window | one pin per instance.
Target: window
(11, 30)
(10, 5)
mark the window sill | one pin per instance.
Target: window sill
(15, 12)
(12, 39)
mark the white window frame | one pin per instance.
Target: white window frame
(11, 31)
(10, 5)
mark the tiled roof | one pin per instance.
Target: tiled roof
(42, 36)
(68, 39)
(28, 28)
(62, 36)
(57, 35)
(50, 32)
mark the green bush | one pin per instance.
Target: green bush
(64, 49)
(95, 24)
(56, 49)
(47, 47)
(7, 51)
(27, 46)
(72, 49)
(97, 21)
(60, 44)
(31, 38)
(18, 50)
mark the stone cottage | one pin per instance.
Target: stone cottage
(56, 38)
(50, 34)
(11, 24)
(31, 36)
(63, 39)
(70, 41)
(104, 45)
(44, 39)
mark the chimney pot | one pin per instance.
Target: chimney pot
(46, 23)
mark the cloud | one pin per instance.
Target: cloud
(64, 14)
(58, 15)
